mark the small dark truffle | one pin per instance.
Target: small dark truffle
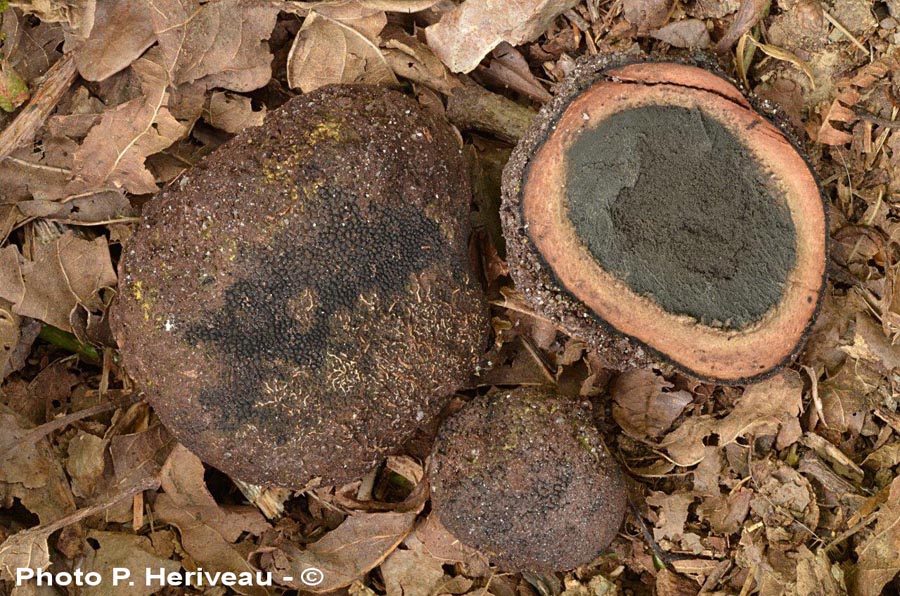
(298, 303)
(524, 477)
(651, 205)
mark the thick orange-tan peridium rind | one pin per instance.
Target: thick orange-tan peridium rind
(563, 279)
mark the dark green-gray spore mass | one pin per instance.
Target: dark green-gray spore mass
(259, 329)
(670, 202)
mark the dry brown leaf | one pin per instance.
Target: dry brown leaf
(509, 69)
(29, 47)
(747, 16)
(222, 42)
(673, 514)
(79, 16)
(726, 513)
(469, 32)
(878, 559)
(885, 457)
(208, 531)
(441, 544)
(30, 470)
(86, 463)
(413, 60)
(366, 20)
(871, 345)
(828, 133)
(122, 31)
(233, 113)
(781, 498)
(139, 455)
(646, 15)
(348, 552)
(327, 51)
(688, 33)
(843, 396)
(95, 208)
(816, 574)
(669, 583)
(9, 336)
(407, 6)
(35, 172)
(413, 571)
(108, 550)
(642, 407)
(114, 151)
(597, 586)
(28, 548)
(26, 463)
(65, 273)
(764, 407)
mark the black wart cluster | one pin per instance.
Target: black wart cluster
(282, 312)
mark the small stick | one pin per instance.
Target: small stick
(648, 537)
(39, 432)
(473, 107)
(23, 128)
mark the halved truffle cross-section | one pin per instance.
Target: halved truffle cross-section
(653, 199)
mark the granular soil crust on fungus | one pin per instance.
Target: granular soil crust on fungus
(299, 302)
(524, 477)
(601, 195)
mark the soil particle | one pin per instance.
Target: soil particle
(524, 477)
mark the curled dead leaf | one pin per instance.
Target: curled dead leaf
(114, 151)
(327, 51)
(642, 406)
(121, 32)
(209, 532)
(233, 113)
(64, 274)
(688, 33)
(411, 59)
(879, 556)
(361, 543)
(470, 31)
(223, 43)
(764, 407)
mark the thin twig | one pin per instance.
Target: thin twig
(870, 117)
(23, 128)
(39, 432)
(844, 31)
(648, 537)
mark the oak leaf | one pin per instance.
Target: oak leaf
(764, 407)
(222, 42)
(361, 543)
(878, 558)
(64, 274)
(209, 532)
(470, 31)
(328, 51)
